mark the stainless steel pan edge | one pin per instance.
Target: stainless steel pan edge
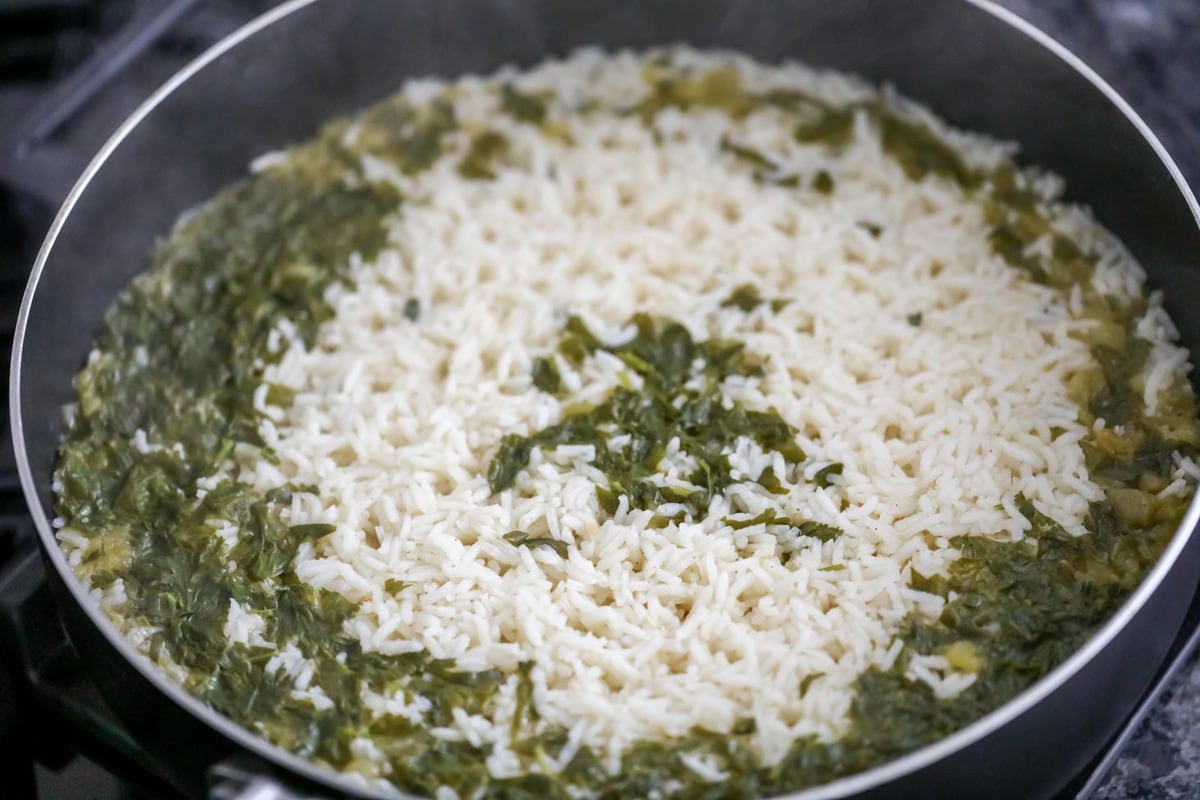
(971, 760)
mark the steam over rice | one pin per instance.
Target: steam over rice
(904, 349)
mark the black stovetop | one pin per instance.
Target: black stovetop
(57, 738)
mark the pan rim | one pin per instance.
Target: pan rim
(841, 788)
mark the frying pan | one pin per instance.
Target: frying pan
(274, 81)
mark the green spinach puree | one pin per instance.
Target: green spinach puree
(182, 352)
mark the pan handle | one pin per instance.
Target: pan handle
(241, 778)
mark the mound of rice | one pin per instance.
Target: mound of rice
(893, 339)
(642, 633)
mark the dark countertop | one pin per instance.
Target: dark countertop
(1162, 762)
(1149, 50)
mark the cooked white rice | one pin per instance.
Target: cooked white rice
(642, 633)
(649, 633)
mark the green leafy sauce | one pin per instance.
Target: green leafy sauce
(680, 398)
(180, 357)
(525, 539)
(747, 298)
(182, 352)
(523, 106)
(485, 148)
